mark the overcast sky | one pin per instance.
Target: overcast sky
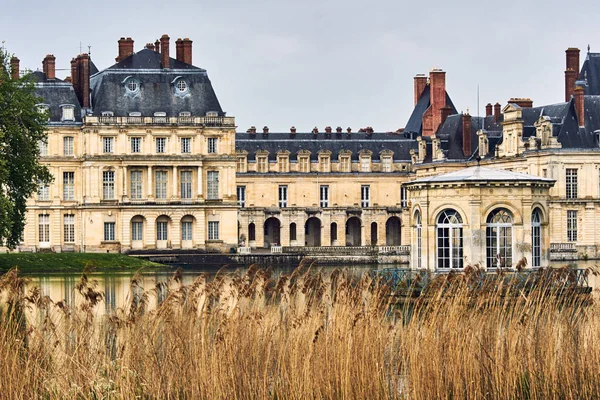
(326, 62)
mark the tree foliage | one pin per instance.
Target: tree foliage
(22, 127)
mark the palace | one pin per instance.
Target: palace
(144, 157)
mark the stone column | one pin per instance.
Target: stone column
(125, 183)
(150, 190)
(200, 187)
(175, 192)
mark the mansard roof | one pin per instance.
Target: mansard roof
(480, 174)
(157, 91)
(334, 142)
(414, 126)
(56, 93)
(590, 74)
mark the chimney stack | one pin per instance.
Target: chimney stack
(521, 102)
(252, 130)
(497, 112)
(75, 76)
(578, 93)
(446, 112)
(157, 46)
(293, 130)
(84, 79)
(164, 51)
(14, 67)
(488, 109)
(328, 129)
(179, 49)
(265, 129)
(348, 130)
(420, 84)
(187, 50)
(571, 72)
(49, 66)
(125, 48)
(466, 134)
(150, 46)
(338, 129)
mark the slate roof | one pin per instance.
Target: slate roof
(56, 93)
(414, 126)
(482, 174)
(157, 90)
(590, 73)
(334, 142)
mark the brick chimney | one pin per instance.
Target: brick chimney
(572, 71)
(521, 102)
(75, 76)
(179, 49)
(338, 129)
(488, 109)
(293, 129)
(578, 93)
(432, 118)
(150, 46)
(328, 129)
(49, 66)
(497, 112)
(420, 84)
(265, 129)
(84, 79)
(446, 112)
(125, 48)
(252, 130)
(14, 67)
(157, 46)
(348, 130)
(164, 51)
(466, 135)
(187, 50)
(315, 130)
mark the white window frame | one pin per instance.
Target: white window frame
(262, 164)
(68, 145)
(186, 184)
(241, 196)
(212, 185)
(365, 196)
(452, 229)
(386, 164)
(212, 145)
(186, 145)
(43, 192)
(571, 183)
(108, 144)
(162, 230)
(161, 145)
(213, 230)
(572, 225)
(108, 185)
(419, 237)
(536, 238)
(160, 184)
(136, 144)
(67, 112)
(186, 230)
(498, 238)
(283, 196)
(68, 186)
(109, 232)
(137, 230)
(403, 197)
(43, 147)
(324, 196)
(69, 228)
(365, 164)
(136, 184)
(44, 229)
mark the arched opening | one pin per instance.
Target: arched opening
(499, 238)
(449, 240)
(312, 231)
(373, 233)
(333, 234)
(187, 231)
(251, 232)
(353, 226)
(419, 238)
(162, 232)
(137, 232)
(293, 231)
(536, 238)
(272, 231)
(392, 231)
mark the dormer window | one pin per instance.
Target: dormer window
(107, 114)
(185, 114)
(324, 161)
(135, 114)
(387, 162)
(181, 86)
(212, 114)
(283, 161)
(160, 114)
(241, 165)
(365, 161)
(44, 108)
(68, 112)
(132, 85)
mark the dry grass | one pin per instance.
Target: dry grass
(305, 336)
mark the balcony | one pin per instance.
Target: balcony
(177, 121)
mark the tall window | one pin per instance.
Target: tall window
(44, 228)
(572, 225)
(212, 145)
(43, 147)
(386, 164)
(160, 190)
(365, 164)
(68, 113)
(136, 144)
(186, 145)
(212, 178)
(137, 229)
(571, 183)
(419, 237)
(365, 196)
(213, 230)
(68, 149)
(252, 231)
(324, 196)
(403, 197)
(449, 240)
(241, 164)
(108, 144)
(304, 164)
(109, 231)
(345, 164)
(241, 196)
(186, 230)
(499, 239)
(324, 164)
(68, 186)
(162, 230)
(43, 192)
(108, 185)
(283, 164)
(161, 145)
(283, 196)
(186, 184)
(262, 164)
(135, 178)
(536, 238)
(69, 228)
(333, 232)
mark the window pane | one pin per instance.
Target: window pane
(69, 228)
(213, 184)
(109, 231)
(137, 230)
(161, 184)
(213, 230)
(68, 146)
(186, 230)
(108, 185)
(69, 186)
(186, 184)
(136, 184)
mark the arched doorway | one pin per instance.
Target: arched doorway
(373, 233)
(137, 232)
(187, 231)
(449, 240)
(313, 232)
(163, 224)
(499, 238)
(536, 238)
(392, 231)
(272, 229)
(333, 234)
(353, 236)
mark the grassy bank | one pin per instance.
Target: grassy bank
(304, 336)
(70, 262)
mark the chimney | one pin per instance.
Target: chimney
(572, 71)
(349, 130)
(446, 112)
(164, 51)
(497, 112)
(68, 79)
(157, 46)
(265, 129)
(488, 109)
(125, 48)
(150, 46)
(179, 49)
(187, 50)
(252, 130)
(14, 67)
(521, 102)
(293, 129)
(369, 130)
(315, 130)
(420, 84)
(49, 66)
(466, 134)
(84, 79)
(578, 93)
(75, 76)
(437, 87)
(338, 129)
(328, 129)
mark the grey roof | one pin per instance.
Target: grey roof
(157, 91)
(334, 142)
(414, 125)
(481, 174)
(590, 74)
(56, 93)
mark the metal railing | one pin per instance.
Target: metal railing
(217, 121)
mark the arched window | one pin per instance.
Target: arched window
(536, 237)
(449, 240)
(499, 238)
(419, 238)
(293, 231)
(251, 231)
(373, 233)
(333, 232)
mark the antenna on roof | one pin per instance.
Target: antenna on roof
(80, 49)
(478, 102)
(588, 48)
(89, 50)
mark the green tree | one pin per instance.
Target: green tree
(22, 127)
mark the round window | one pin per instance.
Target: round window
(181, 85)
(132, 85)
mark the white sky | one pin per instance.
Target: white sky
(329, 62)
